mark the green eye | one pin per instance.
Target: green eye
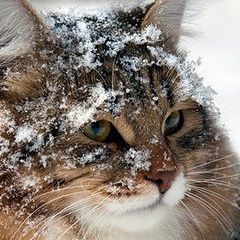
(173, 123)
(98, 131)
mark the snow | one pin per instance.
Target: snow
(29, 182)
(82, 114)
(191, 85)
(138, 160)
(80, 35)
(116, 188)
(97, 155)
(79, 42)
(25, 134)
(216, 42)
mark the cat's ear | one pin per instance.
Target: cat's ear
(20, 26)
(167, 15)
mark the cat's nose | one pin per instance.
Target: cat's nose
(163, 168)
(163, 180)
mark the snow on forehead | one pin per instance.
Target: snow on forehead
(82, 32)
(88, 35)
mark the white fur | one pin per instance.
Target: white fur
(176, 192)
(146, 216)
(16, 30)
(55, 231)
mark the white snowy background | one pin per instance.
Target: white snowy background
(217, 42)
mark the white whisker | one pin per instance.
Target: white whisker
(214, 194)
(63, 210)
(210, 162)
(215, 210)
(215, 170)
(195, 221)
(96, 206)
(47, 203)
(215, 183)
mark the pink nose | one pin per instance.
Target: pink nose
(163, 180)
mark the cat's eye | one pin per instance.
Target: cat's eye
(173, 123)
(98, 131)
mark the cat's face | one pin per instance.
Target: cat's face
(108, 131)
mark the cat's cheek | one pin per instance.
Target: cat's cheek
(176, 192)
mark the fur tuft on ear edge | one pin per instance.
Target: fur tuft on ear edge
(19, 26)
(167, 15)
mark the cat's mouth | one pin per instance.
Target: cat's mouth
(150, 207)
(156, 194)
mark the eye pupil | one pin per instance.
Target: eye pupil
(96, 128)
(173, 123)
(168, 121)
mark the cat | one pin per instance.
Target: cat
(107, 132)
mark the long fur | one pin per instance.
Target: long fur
(19, 28)
(160, 168)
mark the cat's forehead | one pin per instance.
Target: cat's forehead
(88, 53)
(87, 41)
(111, 48)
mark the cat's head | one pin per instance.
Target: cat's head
(105, 122)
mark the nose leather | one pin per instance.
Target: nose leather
(164, 180)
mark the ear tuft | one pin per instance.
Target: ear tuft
(167, 15)
(19, 26)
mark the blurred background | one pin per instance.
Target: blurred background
(217, 42)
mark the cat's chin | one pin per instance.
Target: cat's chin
(141, 212)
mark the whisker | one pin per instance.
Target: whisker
(96, 221)
(96, 207)
(44, 205)
(234, 176)
(213, 161)
(214, 170)
(214, 194)
(56, 199)
(221, 217)
(67, 188)
(196, 223)
(213, 182)
(69, 209)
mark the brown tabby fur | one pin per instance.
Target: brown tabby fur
(32, 95)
